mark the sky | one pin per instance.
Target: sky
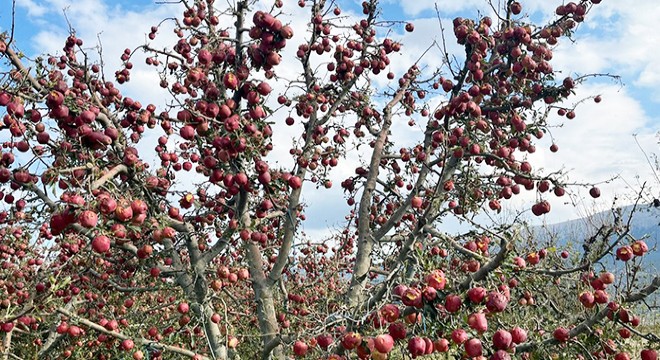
(605, 141)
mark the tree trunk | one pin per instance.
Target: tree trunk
(263, 295)
(215, 339)
(196, 291)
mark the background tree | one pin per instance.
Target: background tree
(109, 247)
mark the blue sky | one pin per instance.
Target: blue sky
(618, 38)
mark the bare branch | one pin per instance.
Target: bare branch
(18, 64)
(121, 168)
(121, 336)
(596, 318)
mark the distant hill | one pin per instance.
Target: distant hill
(645, 224)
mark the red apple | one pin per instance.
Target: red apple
(416, 346)
(607, 277)
(101, 244)
(601, 297)
(286, 32)
(519, 262)
(107, 204)
(496, 302)
(429, 294)
(124, 212)
(459, 336)
(561, 334)
(62, 328)
(649, 354)
(476, 294)
(5, 98)
(453, 303)
(533, 258)
(6, 326)
(624, 333)
(399, 290)
(127, 344)
(473, 347)
(263, 88)
(216, 318)
(639, 248)
(390, 313)
(88, 219)
(295, 182)
(587, 299)
(518, 335)
(436, 279)
(624, 315)
(502, 339)
(183, 308)
(300, 348)
(500, 355)
(478, 322)
(416, 202)
(515, 7)
(74, 331)
(413, 318)
(324, 341)
(397, 330)
(412, 297)
(230, 81)
(441, 345)
(54, 99)
(187, 132)
(636, 320)
(622, 356)
(363, 351)
(429, 346)
(351, 340)
(624, 253)
(384, 343)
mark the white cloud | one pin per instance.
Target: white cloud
(469, 8)
(32, 7)
(413, 8)
(617, 38)
(622, 36)
(649, 77)
(596, 146)
(113, 27)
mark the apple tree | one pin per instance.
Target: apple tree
(174, 230)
